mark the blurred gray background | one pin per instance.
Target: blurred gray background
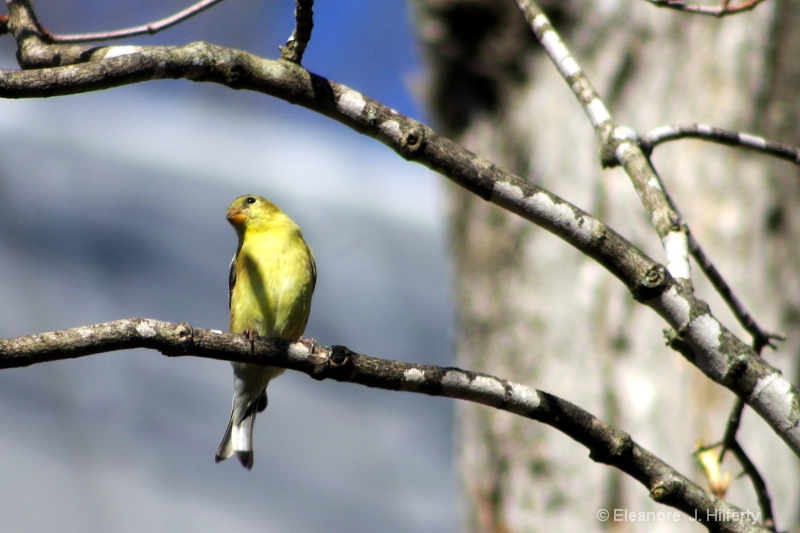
(112, 205)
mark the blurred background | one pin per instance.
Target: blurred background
(112, 205)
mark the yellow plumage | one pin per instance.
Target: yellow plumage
(272, 279)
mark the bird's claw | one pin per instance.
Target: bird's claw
(251, 335)
(312, 342)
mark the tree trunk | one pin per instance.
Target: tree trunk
(534, 310)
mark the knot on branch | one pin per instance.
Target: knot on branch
(676, 341)
(179, 339)
(612, 137)
(413, 141)
(666, 490)
(331, 362)
(620, 447)
(651, 284)
(339, 356)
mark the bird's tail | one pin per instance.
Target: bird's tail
(238, 436)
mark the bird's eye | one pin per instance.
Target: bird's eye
(250, 200)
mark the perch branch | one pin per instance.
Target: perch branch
(606, 444)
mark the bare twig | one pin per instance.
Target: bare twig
(732, 427)
(720, 11)
(304, 23)
(607, 445)
(619, 145)
(145, 29)
(759, 485)
(761, 337)
(709, 133)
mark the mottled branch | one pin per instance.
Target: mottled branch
(606, 444)
(724, 8)
(304, 23)
(619, 145)
(717, 135)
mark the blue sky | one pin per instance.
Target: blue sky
(112, 206)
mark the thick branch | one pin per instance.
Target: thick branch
(606, 444)
(706, 342)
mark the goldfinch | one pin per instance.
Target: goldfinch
(272, 279)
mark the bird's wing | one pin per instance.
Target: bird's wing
(313, 272)
(231, 279)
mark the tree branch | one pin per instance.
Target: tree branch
(717, 135)
(606, 444)
(304, 23)
(145, 29)
(711, 347)
(761, 337)
(619, 145)
(720, 11)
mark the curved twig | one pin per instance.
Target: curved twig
(725, 7)
(717, 135)
(144, 29)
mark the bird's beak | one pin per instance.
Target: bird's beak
(236, 216)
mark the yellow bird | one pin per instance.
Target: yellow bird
(272, 278)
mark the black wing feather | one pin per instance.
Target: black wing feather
(231, 279)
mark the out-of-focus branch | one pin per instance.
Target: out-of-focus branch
(709, 133)
(619, 145)
(606, 444)
(304, 23)
(144, 29)
(723, 9)
(759, 485)
(761, 337)
(718, 353)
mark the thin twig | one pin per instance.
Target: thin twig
(304, 23)
(732, 427)
(711, 134)
(761, 337)
(730, 442)
(145, 29)
(720, 11)
(759, 485)
(619, 144)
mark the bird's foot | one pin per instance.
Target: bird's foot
(251, 335)
(312, 342)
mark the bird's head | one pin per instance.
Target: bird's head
(250, 211)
